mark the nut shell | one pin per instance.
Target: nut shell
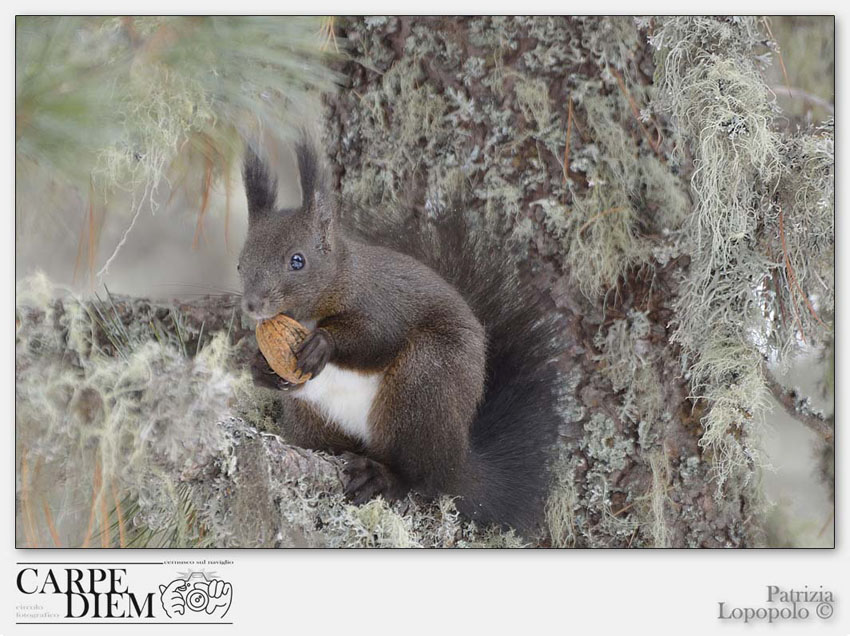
(278, 339)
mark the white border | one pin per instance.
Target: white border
(488, 592)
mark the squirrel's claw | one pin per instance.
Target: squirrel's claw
(314, 353)
(264, 376)
(364, 479)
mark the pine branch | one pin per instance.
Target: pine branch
(798, 406)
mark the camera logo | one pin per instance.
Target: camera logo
(196, 593)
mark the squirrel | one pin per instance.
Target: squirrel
(432, 367)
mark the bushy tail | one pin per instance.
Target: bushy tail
(516, 428)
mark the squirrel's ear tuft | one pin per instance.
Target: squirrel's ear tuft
(260, 186)
(316, 201)
(311, 172)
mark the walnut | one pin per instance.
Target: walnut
(279, 338)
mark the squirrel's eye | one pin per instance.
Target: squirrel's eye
(296, 262)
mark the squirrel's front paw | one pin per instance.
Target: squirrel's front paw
(264, 376)
(314, 353)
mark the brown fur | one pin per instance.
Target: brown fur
(380, 310)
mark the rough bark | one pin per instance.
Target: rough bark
(493, 107)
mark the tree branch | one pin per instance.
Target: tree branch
(797, 406)
(799, 93)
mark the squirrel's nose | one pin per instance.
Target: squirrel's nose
(250, 305)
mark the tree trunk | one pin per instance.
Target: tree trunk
(494, 107)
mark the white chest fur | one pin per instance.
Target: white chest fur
(343, 397)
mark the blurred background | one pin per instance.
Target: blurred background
(804, 84)
(128, 175)
(128, 142)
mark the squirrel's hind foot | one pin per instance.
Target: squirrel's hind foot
(364, 479)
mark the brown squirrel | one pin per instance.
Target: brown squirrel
(432, 367)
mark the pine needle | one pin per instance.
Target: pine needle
(53, 533)
(95, 494)
(327, 31)
(29, 524)
(567, 141)
(227, 198)
(792, 281)
(205, 199)
(105, 534)
(766, 23)
(596, 217)
(635, 110)
(122, 535)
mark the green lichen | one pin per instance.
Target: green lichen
(604, 231)
(138, 428)
(629, 363)
(562, 505)
(658, 499)
(622, 206)
(752, 192)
